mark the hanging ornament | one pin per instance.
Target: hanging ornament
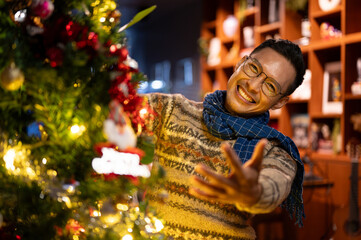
(118, 127)
(36, 129)
(114, 17)
(11, 78)
(130, 62)
(42, 8)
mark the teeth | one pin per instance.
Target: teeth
(244, 95)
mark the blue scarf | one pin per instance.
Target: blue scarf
(247, 132)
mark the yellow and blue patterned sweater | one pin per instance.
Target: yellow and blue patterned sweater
(182, 140)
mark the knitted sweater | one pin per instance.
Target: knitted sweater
(182, 140)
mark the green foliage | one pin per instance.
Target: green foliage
(59, 92)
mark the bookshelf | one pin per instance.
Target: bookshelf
(321, 50)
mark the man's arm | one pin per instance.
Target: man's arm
(247, 186)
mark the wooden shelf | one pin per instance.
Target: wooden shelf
(350, 96)
(315, 156)
(326, 44)
(269, 27)
(323, 14)
(353, 38)
(251, 11)
(325, 116)
(211, 24)
(346, 49)
(292, 100)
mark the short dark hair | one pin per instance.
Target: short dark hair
(292, 53)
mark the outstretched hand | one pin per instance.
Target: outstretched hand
(240, 187)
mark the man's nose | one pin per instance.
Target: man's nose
(254, 83)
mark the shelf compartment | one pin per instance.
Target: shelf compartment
(315, 156)
(353, 52)
(352, 16)
(327, 14)
(352, 106)
(325, 116)
(210, 7)
(318, 59)
(271, 27)
(350, 96)
(332, 17)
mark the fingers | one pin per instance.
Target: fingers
(257, 156)
(206, 197)
(206, 188)
(214, 179)
(232, 159)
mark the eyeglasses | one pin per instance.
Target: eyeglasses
(252, 68)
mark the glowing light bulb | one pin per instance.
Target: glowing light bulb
(20, 15)
(158, 225)
(75, 129)
(67, 201)
(113, 48)
(143, 112)
(122, 207)
(44, 161)
(9, 159)
(102, 19)
(96, 213)
(127, 237)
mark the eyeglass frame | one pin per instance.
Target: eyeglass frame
(259, 65)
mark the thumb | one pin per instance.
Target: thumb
(257, 156)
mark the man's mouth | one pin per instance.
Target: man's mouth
(244, 95)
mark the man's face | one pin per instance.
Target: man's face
(244, 94)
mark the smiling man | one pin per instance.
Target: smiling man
(223, 162)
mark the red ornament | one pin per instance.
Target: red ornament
(55, 56)
(42, 8)
(123, 54)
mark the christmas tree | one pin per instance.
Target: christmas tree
(73, 164)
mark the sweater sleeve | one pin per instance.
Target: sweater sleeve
(162, 106)
(276, 177)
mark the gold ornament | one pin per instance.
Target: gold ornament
(11, 78)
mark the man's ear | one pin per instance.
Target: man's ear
(280, 103)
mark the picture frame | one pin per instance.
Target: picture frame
(332, 92)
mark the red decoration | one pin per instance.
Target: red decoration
(123, 54)
(55, 56)
(42, 8)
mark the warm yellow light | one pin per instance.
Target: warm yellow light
(31, 173)
(67, 201)
(75, 237)
(143, 112)
(111, 219)
(149, 229)
(147, 220)
(127, 237)
(70, 189)
(9, 159)
(130, 230)
(96, 213)
(158, 225)
(51, 173)
(122, 207)
(44, 161)
(102, 19)
(77, 130)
